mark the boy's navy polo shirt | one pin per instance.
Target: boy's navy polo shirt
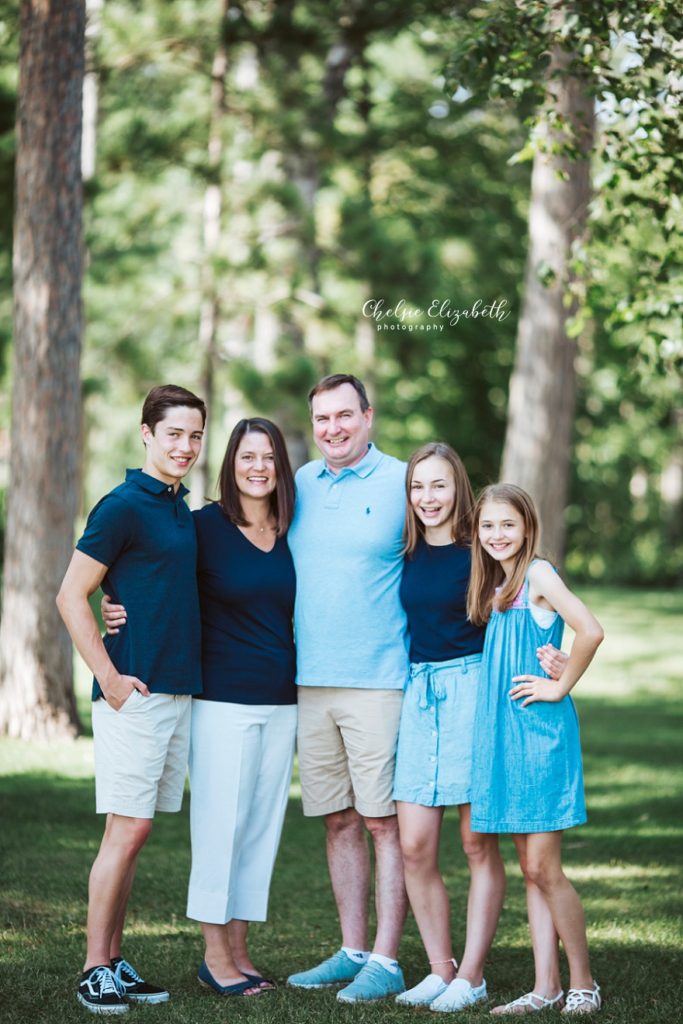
(434, 595)
(144, 533)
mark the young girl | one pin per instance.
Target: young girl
(527, 775)
(434, 757)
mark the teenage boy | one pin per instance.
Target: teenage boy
(139, 544)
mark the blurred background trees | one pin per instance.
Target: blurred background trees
(263, 176)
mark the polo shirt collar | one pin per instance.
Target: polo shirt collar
(151, 484)
(362, 469)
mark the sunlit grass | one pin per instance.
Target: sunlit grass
(626, 863)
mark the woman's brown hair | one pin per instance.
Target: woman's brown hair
(282, 498)
(461, 516)
(487, 573)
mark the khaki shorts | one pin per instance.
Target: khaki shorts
(347, 748)
(141, 754)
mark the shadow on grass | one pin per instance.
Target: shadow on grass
(625, 863)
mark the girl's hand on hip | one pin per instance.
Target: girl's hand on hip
(530, 689)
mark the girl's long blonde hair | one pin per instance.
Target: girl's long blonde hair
(461, 517)
(487, 573)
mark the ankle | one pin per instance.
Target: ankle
(473, 979)
(581, 981)
(221, 965)
(445, 969)
(548, 989)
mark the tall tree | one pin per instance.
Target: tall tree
(542, 400)
(623, 61)
(36, 691)
(210, 309)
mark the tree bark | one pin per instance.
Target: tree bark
(543, 385)
(210, 310)
(36, 688)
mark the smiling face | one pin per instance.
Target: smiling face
(501, 531)
(341, 429)
(174, 445)
(432, 496)
(255, 473)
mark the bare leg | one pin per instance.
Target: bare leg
(218, 955)
(485, 898)
(420, 829)
(117, 937)
(111, 879)
(544, 868)
(391, 900)
(544, 939)
(348, 860)
(238, 932)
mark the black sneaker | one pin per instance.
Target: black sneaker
(133, 987)
(99, 992)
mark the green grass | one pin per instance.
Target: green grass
(626, 863)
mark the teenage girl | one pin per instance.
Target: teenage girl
(434, 757)
(527, 774)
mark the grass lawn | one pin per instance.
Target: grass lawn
(627, 864)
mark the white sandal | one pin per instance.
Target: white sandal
(526, 1003)
(583, 1000)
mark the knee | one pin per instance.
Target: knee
(132, 835)
(382, 830)
(416, 852)
(481, 849)
(541, 873)
(345, 823)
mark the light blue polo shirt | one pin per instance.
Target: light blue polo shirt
(346, 541)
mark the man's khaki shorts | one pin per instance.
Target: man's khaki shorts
(141, 754)
(347, 748)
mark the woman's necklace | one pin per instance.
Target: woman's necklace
(262, 529)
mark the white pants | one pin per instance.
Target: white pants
(240, 768)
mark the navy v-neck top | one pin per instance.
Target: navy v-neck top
(247, 602)
(434, 595)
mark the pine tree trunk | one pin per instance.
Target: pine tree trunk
(543, 385)
(36, 689)
(210, 310)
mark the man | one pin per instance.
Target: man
(352, 662)
(140, 544)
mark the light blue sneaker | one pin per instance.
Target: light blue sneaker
(371, 983)
(337, 969)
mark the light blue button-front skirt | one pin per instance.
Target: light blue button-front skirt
(434, 755)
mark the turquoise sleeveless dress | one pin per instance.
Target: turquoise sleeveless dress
(527, 772)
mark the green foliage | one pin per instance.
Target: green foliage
(354, 169)
(625, 520)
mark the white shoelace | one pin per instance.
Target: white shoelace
(106, 980)
(122, 966)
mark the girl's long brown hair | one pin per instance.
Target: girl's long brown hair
(461, 517)
(487, 573)
(282, 498)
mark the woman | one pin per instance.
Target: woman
(244, 723)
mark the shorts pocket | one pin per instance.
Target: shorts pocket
(129, 701)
